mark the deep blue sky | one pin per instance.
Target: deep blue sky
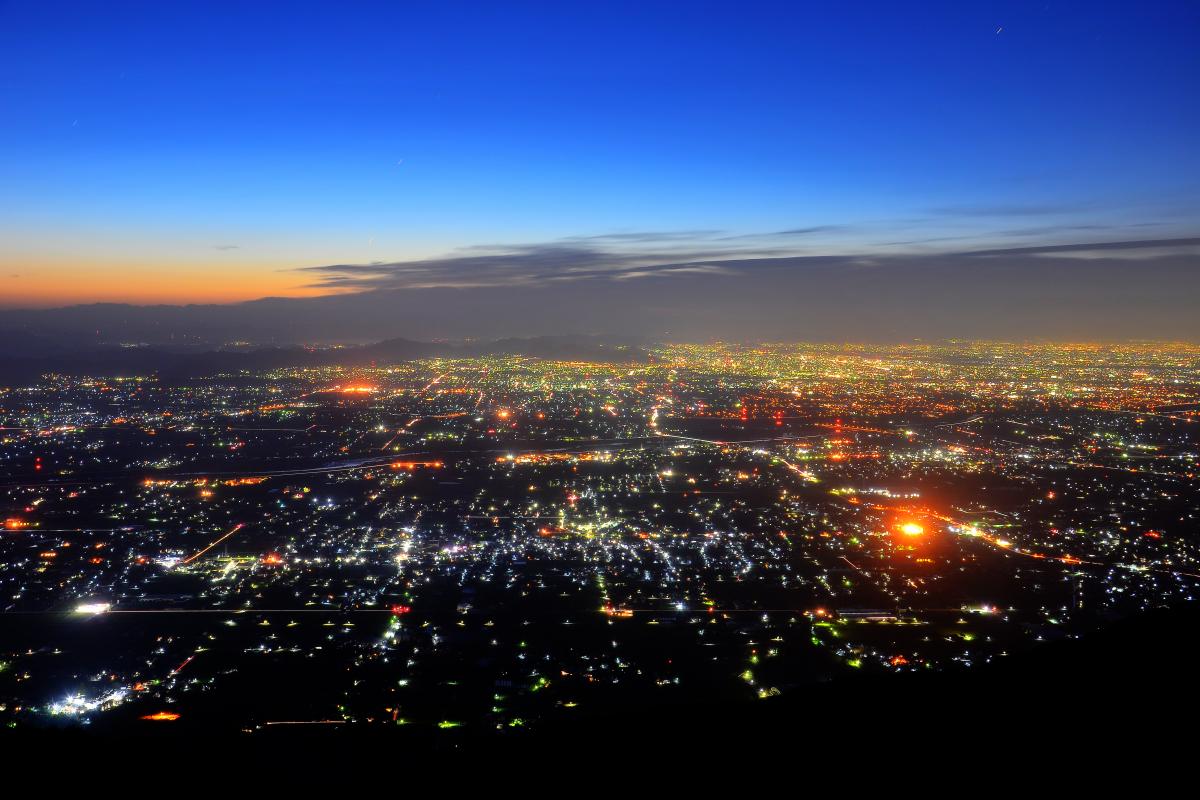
(224, 145)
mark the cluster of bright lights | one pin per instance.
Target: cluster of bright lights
(981, 609)
(92, 608)
(77, 705)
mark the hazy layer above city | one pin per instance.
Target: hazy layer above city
(1133, 289)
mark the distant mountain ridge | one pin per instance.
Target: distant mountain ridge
(33, 356)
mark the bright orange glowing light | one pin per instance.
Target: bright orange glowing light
(161, 716)
(912, 529)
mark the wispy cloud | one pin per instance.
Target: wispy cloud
(606, 259)
(1008, 210)
(533, 264)
(648, 236)
(1098, 247)
(809, 231)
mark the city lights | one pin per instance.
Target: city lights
(625, 527)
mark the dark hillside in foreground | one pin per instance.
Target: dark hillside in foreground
(1129, 686)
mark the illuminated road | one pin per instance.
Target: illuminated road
(200, 553)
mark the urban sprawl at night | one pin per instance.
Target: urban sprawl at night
(765, 390)
(495, 544)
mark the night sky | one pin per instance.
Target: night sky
(805, 170)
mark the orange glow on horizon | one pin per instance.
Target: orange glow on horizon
(53, 284)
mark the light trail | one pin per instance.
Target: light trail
(399, 431)
(433, 383)
(194, 556)
(186, 661)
